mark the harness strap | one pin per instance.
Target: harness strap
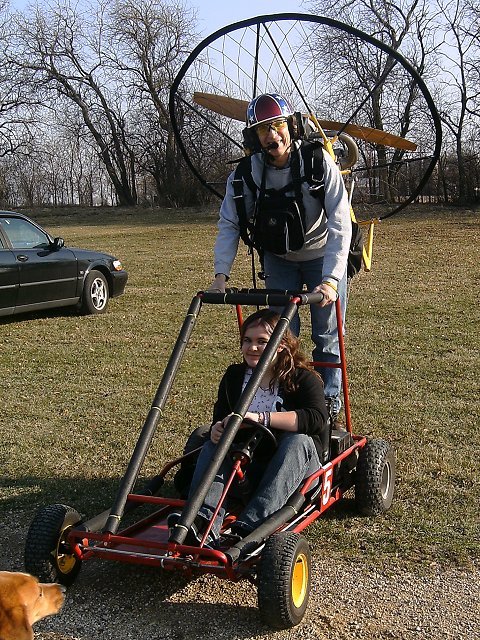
(312, 155)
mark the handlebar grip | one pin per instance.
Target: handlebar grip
(257, 297)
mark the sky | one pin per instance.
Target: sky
(215, 14)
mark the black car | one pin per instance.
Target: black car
(40, 272)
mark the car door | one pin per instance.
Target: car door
(9, 278)
(47, 274)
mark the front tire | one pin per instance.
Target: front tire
(375, 478)
(95, 293)
(284, 576)
(47, 555)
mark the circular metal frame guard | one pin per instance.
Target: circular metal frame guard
(334, 24)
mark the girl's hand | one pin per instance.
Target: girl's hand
(216, 432)
(218, 428)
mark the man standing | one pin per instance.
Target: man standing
(303, 227)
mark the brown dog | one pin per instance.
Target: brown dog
(24, 601)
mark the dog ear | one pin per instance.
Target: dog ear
(14, 624)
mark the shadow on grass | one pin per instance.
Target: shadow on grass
(61, 312)
(92, 496)
(88, 496)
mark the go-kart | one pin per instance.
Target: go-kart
(275, 556)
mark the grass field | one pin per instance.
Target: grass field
(76, 390)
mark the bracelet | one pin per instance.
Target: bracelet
(261, 418)
(330, 284)
(267, 419)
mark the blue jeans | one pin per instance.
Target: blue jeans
(285, 274)
(294, 460)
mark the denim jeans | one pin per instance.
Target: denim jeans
(294, 460)
(285, 274)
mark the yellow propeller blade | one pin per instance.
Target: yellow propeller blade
(236, 109)
(371, 135)
(225, 106)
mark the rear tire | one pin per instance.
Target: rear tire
(375, 478)
(284, 576)
(95, 293)
(47, 555)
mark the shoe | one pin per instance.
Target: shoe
(194, 535)
(337, 424)
(335, 421)
(240, 531)
(232, 536)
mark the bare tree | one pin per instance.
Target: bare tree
(16, 103)
(149, 40)
(459, 89)
(59, 49)
(371, 78)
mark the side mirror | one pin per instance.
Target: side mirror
(58, 243)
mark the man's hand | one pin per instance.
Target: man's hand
(218, 285)
(329, 293)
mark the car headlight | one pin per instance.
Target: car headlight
(117, 265)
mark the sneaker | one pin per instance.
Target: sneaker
(233, 535)
(333, 414)
(194, 535)
(338, 424)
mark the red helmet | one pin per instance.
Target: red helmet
(267, 107)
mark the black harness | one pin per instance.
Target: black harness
(277, 222)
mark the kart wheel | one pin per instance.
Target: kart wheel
(95, 293)
(284, 580)
(375, 478)
(47, 555)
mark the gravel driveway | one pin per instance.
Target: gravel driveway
(110, 601)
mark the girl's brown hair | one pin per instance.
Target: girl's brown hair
(289, 358)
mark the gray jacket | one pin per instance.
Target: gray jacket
(328, 232)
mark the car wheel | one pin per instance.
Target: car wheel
(375, 478)
(284, 575)
(47, 553)
(95, 293)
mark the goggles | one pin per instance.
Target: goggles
(276, 125)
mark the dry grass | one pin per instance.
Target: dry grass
(76, 390)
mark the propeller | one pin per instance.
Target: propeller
(236, 109)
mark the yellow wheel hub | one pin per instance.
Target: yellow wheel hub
(65, 561)
(300, 580)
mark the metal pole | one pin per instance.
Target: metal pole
(153, 418)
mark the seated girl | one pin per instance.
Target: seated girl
(291, 402)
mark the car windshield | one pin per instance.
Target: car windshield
(24, 235)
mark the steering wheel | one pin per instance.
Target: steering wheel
(249, 445)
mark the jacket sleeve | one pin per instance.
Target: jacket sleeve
(228, 391)
(308, 401)
(221, 407)
(226, 243)
(337, 209)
